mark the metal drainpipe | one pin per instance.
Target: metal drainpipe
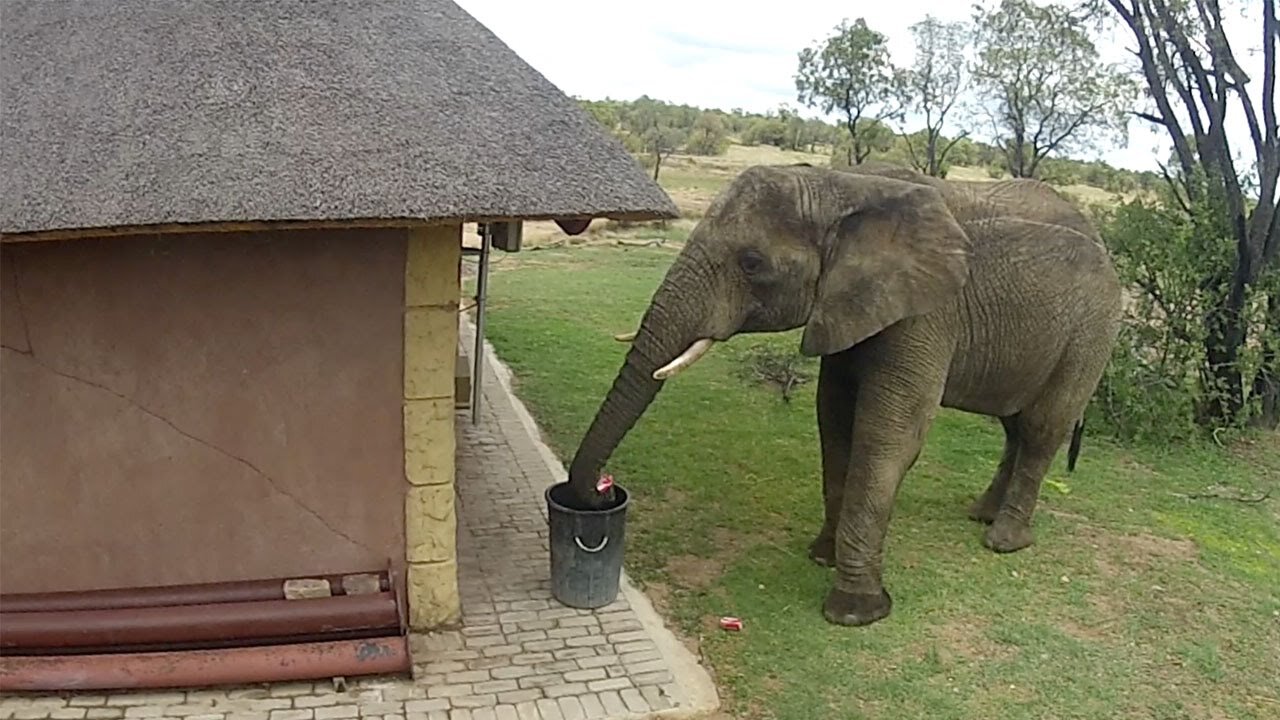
(482, 287)
(200, 668)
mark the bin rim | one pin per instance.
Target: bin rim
(619, 507)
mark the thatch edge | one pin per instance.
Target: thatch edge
(271, 225)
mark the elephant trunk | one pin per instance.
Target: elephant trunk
(671, 336)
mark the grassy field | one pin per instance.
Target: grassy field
(1136, 601)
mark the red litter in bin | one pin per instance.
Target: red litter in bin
(604, 483)
(730, 623)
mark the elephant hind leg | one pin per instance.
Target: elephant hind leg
(1040, 434)
(987, 505)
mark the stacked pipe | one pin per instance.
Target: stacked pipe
(199, 635)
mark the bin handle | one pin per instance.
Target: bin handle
(595, 549)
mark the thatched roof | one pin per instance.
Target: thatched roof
(143, 112)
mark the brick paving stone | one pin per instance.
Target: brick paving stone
(292, 689)
(424, 706)
(657, 699)
(613, 702)
(556, 691)
(597, 661)
(292, 714)
(620, 683)
(506, 712)
(484, 714)
(474, 701)
(585, 675)
(445, 691)
(592, 708)
(658, 677)
(540, 681)
(571, 708)
(68, 713)
(87, 700)
(572, 653)
(527, 710)
(515, 697)
(512, 672)
(107, 713)
(549, 710)
(338, 712)
(634, 700)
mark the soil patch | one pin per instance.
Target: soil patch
(1116, 555)
(959, 637)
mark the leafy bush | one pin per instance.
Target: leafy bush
(1158, 379)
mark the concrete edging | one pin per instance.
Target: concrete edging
(698, 692)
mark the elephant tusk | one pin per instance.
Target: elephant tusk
(686, 358)
(626, 337)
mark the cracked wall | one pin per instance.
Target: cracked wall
(201, 407)
(430, 351)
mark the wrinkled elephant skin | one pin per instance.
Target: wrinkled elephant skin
(916, 294)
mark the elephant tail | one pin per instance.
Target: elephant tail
(1073, 451)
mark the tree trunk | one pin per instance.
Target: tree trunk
(1222, 377)
(1266, 383)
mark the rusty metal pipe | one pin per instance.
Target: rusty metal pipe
(193, 623)
(165, 595)
(197, 645)
(200, 668)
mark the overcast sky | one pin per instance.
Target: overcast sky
(715, 53)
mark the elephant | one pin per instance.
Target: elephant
(915, 293)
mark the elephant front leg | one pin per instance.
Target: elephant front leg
(887, 438)
(837, 393)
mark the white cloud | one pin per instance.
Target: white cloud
(716, 53)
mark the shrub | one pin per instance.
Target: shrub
(1158, 379)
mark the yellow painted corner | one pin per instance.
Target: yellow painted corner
(431, 266)
(429, 441)
(430, 352)
(430, 524)
(433, 595)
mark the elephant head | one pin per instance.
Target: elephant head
(842, 255)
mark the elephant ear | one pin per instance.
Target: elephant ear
(894, 251)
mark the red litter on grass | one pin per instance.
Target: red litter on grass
(730, 623)
(604, 483)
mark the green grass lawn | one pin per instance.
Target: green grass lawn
(1133, 603)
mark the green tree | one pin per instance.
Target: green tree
(650, 123)
(850, 72)
(873, 136)
(1046, 89)
(1193, 78)
(931, 87)
(709, 135)
(766, 131)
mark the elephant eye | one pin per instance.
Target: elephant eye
(751, 261)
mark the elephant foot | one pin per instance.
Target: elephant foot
(842, 608)
(823, 550)
(1006, 535)
(984, 509)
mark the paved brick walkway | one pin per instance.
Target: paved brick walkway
(520, 655)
